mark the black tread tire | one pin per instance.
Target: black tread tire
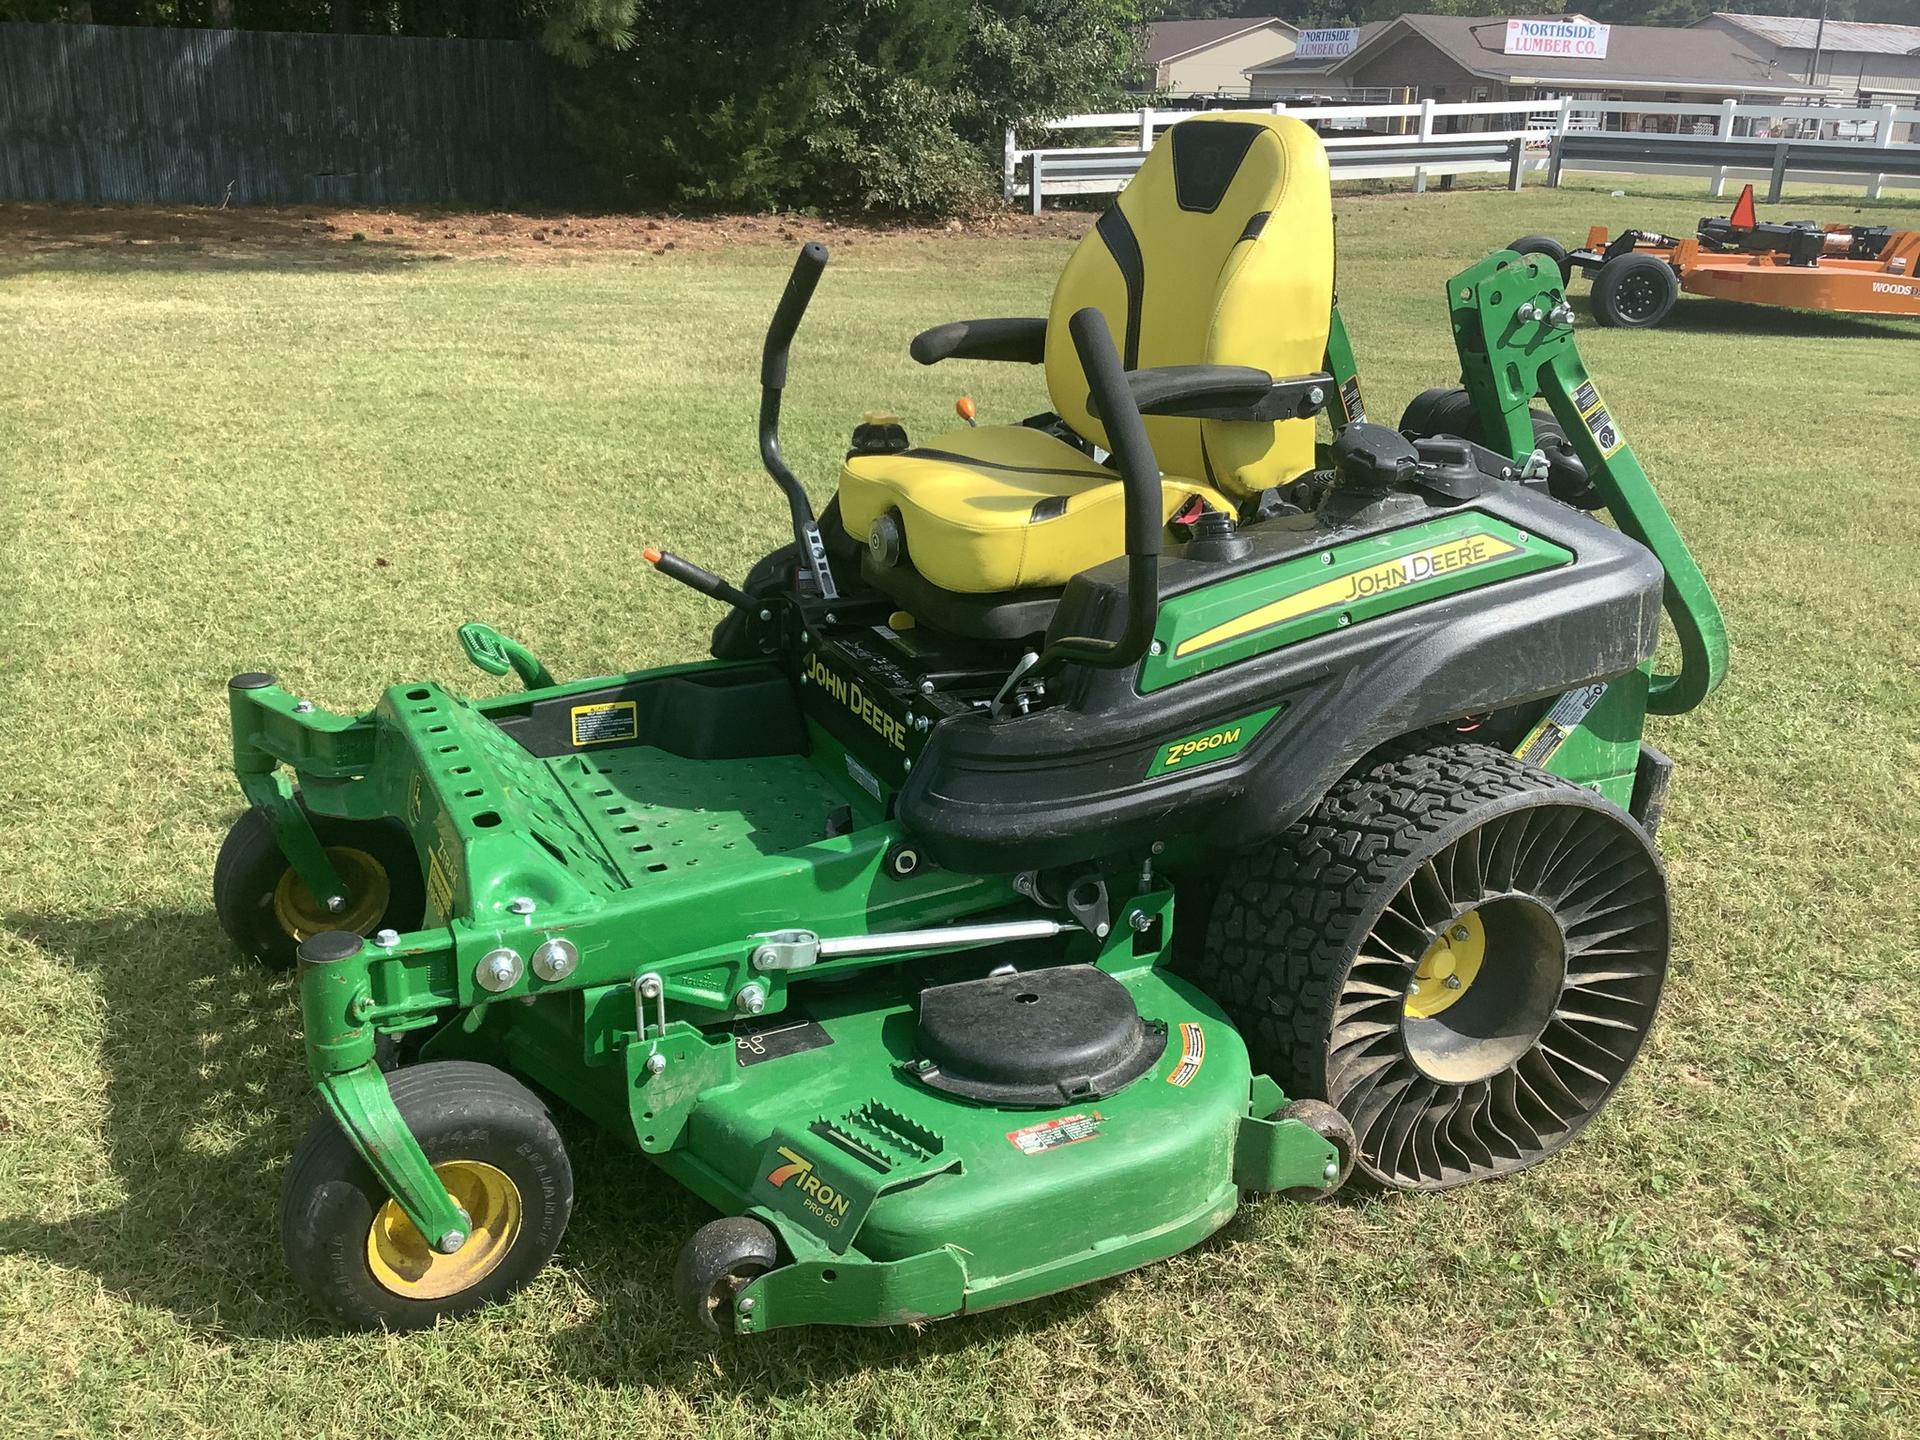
(719, 1257)
(250, 865)
(1291, 920)
(458, 1110)
(1627, 273)
(1448, 410)
(1548, 246)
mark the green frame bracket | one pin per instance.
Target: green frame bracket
(273, 793)
(1271, 1155)
(364, 1110)
(336, 1001)
(851, 1290)
(1514, 334)
(1346, 407)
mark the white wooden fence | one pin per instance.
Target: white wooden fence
(1425, 138)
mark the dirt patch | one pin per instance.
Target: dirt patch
(321, 235)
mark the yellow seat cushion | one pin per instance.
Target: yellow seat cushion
(999, 508)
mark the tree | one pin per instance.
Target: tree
(892, 106)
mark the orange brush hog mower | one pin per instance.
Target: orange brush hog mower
(1847, 269)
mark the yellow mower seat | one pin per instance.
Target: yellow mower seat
(1002, 507)
(1218, 252)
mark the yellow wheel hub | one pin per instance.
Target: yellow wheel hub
(402, 1260)
(1449, 966)
(365, 879)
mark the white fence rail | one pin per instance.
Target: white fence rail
(1425, 138)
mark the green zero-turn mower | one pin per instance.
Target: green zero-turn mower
(1082, 825)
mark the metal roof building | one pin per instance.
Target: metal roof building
(1463, 57)
(1873, 64)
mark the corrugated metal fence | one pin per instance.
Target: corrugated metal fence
(105, 113)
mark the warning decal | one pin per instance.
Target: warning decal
(1350, 399)
(1193, 1050)
(605, 724)
(439, 885)
(1052, 1134)
(1558, 723)
(1593, 411)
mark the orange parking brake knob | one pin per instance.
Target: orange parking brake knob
(964, 408)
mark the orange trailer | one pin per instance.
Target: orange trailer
(1849, 269)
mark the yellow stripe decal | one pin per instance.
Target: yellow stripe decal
(1427, 564)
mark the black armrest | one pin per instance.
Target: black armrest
(1225, 392)
(1022, 340)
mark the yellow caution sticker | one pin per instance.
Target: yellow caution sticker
(605, 724)
(1593, 413)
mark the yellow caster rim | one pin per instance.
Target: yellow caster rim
(365, 879)
(1449, 967)
(404, 1263)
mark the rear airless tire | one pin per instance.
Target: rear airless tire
(1460, 952)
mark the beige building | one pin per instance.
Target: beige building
(1865, 64)
(1210, 57)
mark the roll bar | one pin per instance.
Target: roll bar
(1112, 399)
(773, 379)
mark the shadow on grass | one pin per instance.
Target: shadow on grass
(205, 1098)
(202, 1104)
(1698, 315)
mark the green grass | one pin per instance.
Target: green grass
(320, 460)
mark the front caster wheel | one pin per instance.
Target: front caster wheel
(1461, 952)
(722, 1258)
(353, 1250)
(267, 910)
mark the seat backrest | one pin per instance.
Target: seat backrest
(1218, 252)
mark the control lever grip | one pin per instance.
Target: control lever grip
(786, 316)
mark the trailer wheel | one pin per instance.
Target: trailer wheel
(1634, 291)
(1548, 246)
(355, 1253)
(1460, 952)
(265, 909)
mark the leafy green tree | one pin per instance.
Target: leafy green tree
(889, 106)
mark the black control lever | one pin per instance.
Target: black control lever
(773, 379)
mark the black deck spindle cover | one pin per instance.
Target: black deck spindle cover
(1037, 1039)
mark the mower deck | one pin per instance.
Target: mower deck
(869, 1172)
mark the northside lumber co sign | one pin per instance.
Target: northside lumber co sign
(1328, 44)
(1570, 39)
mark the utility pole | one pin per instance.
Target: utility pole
(1819, 35)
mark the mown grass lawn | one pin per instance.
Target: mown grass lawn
(319, 457)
